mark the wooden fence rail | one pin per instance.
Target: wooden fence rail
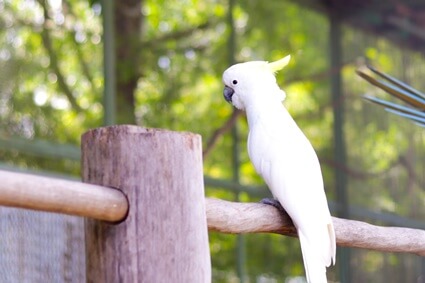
(62, 196)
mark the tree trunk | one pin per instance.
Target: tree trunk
(128, 31)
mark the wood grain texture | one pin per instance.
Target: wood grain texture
(55, 195)
(165, 236)
(232, 217)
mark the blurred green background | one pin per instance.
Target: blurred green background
(67, 66)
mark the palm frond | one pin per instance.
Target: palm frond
(414, 99)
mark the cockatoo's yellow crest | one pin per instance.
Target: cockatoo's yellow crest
(279, 64)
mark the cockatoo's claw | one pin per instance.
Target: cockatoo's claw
(275, 203)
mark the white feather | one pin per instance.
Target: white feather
(285, 159)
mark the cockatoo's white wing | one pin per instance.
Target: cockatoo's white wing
(286, 160)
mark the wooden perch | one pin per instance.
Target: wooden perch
(232, 217)
(102, 203)
(55, 195)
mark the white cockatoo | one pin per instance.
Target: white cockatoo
(286, 160)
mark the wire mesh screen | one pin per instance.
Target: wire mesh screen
(41, 247)
(385, 155)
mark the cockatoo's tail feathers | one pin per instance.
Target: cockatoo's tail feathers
(332, 238)
(315, 269)
(279, 64)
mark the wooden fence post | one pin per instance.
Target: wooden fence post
(164, 237)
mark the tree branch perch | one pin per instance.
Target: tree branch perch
(235, 218)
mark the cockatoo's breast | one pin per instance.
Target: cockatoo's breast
(272, 131)
(274, 138)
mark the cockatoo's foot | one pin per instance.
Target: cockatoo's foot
(285, 216)
(275, 203)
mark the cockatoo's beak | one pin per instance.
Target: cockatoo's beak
(228, 93)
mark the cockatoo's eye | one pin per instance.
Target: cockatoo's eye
(235, 82)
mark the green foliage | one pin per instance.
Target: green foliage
(183, 51)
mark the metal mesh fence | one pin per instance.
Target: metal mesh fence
(41, 247)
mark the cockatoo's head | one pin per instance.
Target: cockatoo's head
(250, 82)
